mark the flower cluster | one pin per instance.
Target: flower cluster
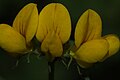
(52, 28)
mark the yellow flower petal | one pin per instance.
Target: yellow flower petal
(81, 29)
(52, 45)
(84, 64)
(26, 21)
(55, 17)
(94, 25)
(88, 27)
(92, 51)
(114, 44)
(11, 40)
(81, 63)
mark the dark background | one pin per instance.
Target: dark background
(109, 10)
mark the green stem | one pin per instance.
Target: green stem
(51, 70)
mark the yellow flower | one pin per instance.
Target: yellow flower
(90, 46)
(54, 29)
(17, 39)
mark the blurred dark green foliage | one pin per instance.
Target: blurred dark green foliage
(109, 10)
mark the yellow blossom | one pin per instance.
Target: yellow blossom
(17, 39)
(54, 29)
(90, 47)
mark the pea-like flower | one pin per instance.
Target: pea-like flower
(54, 29)
(90, 47)
(17, 39)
